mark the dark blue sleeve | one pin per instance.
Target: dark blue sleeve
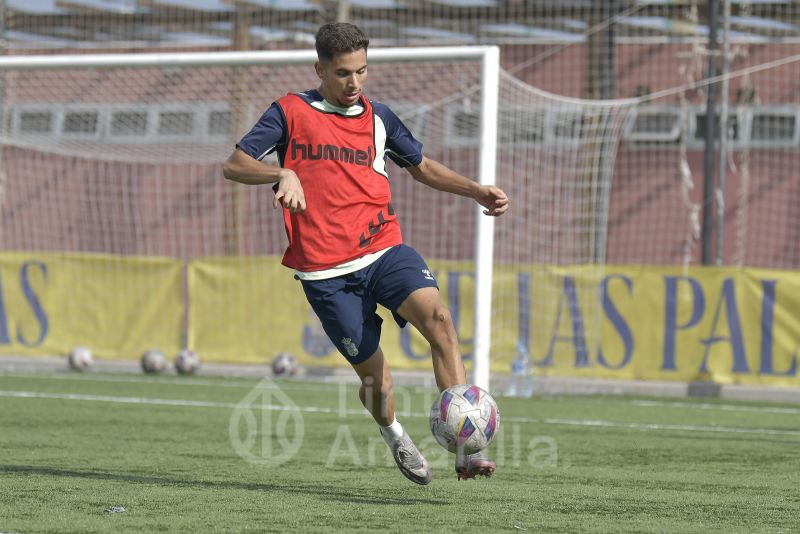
(401, 146)
(267, 136)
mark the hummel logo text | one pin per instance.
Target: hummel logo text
(344, 154)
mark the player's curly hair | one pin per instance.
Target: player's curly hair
(339, 38)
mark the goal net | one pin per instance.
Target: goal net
(118, 231)
(556, 159)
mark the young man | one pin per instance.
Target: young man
(344, 238)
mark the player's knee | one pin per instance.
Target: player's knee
(441, 331)
(442, 319)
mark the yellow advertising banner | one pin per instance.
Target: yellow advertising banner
(655, 322)
(245, 310)
(651, 322)
(249, 309)
(117, 306)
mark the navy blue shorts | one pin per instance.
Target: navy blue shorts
(346, 305)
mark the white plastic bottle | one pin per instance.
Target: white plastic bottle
(520, 383)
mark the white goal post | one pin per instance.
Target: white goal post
(16, 134)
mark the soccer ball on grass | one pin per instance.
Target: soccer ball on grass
(284, 364)
(153, 361)
(80, 359)
(187, 362)
(464, 419)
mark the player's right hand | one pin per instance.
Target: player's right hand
(290, 193)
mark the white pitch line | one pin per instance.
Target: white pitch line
(659, 426)
(240, 382)
(161, 402)
(319, 409)
(710, 406)
(117, 400)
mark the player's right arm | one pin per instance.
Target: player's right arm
(245, 164)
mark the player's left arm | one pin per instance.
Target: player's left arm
(440, 177)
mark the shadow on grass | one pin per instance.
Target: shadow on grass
(334, 493)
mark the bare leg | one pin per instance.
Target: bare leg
(424, 309)
(377, 397)
(376, 388)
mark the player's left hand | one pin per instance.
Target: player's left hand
(493, 199)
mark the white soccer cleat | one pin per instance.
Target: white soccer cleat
(410, 461)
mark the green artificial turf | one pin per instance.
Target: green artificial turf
(205, 454)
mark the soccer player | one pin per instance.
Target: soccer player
(345, 244)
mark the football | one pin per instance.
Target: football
(187, 362)
(284, 364)
(153, 361)
(80, 359)
(464, 419)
